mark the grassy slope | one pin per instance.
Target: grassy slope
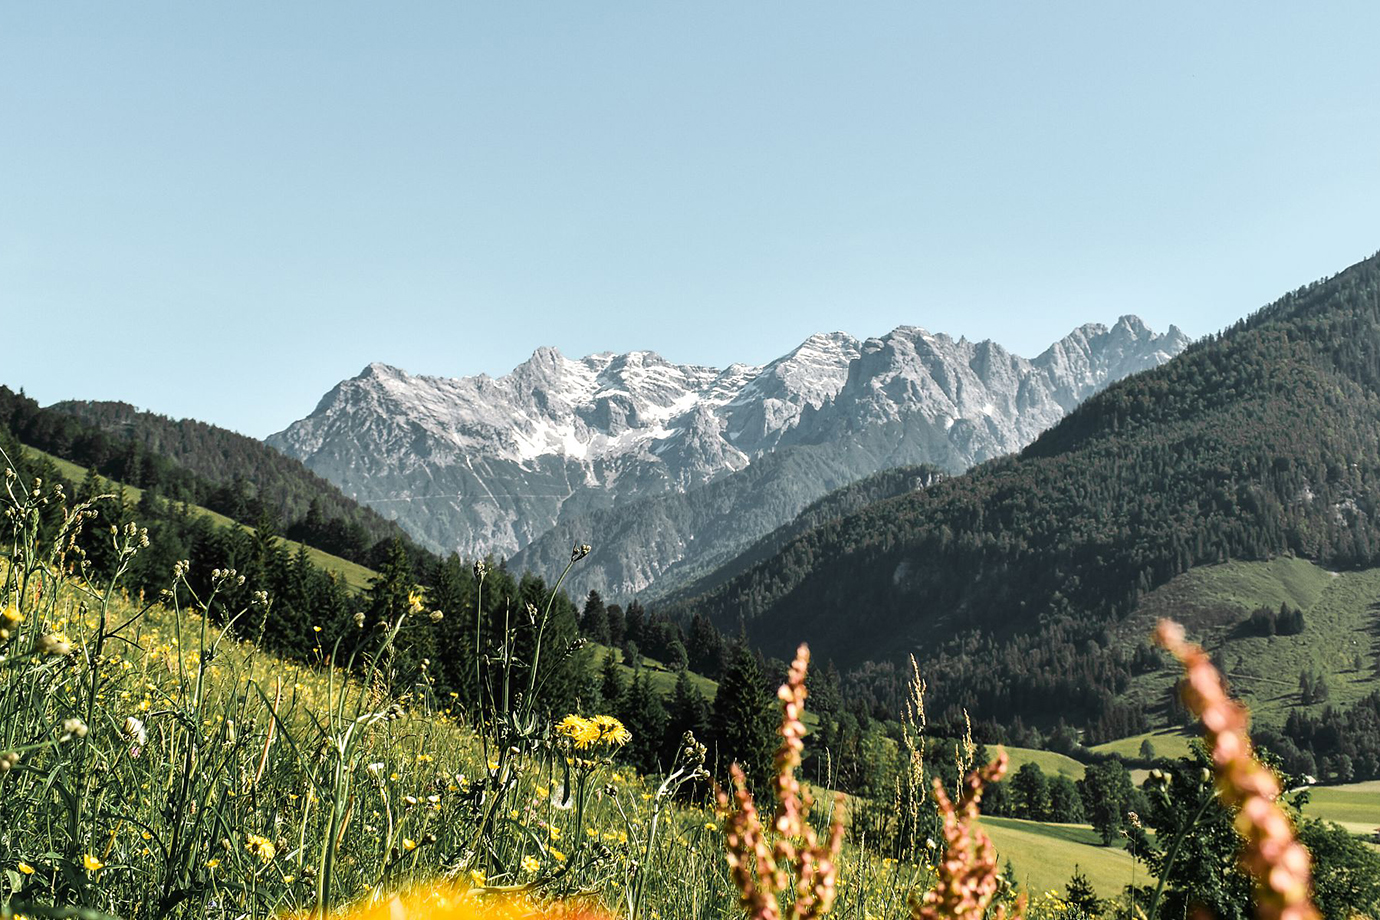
(1044, 855)
(1355, 806)
(663, 678)
(1050, 762)
(1341, 623)
(355, 575)
(1167, 742)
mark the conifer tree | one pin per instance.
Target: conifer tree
(594, 621)
(1081, 896)
(391, 595)
(687, 711)
(634, 622)
(643, 714)
(452, 593)
(743, 720)
(704, 647)
(617, 625)
(611, 686)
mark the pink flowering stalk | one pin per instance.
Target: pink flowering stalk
(968, 874)
(1270, 853)
(761, 871)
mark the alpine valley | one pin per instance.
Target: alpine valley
(670, 470)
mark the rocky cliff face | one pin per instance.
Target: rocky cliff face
(490, 465)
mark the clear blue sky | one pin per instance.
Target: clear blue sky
(220, 210)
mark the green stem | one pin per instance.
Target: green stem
(541, 630)
(1174, 853)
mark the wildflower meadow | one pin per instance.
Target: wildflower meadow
(154, 762)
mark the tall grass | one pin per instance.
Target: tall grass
(154, 764)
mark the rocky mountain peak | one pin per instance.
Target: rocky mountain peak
(482, 464)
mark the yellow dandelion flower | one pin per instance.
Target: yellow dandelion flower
(212, 863)
(557, 855)
(261, 847)
(611, 731)
(530, 864)
(581, 731)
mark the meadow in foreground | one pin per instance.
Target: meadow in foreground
(153, 763)
(156, 764)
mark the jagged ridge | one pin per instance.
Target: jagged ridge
(489, 465)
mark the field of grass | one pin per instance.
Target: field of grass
(1167, 742)
(356, 576)
(220, 798)
(1050, 762)
(1044, 855)
(663, 678)
(1342, 621)
(1355, 806)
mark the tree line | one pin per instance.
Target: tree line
(200, 464)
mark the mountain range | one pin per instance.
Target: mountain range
(1018, 584)
(664, 467)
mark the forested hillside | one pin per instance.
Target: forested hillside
(838, 503)
(1005, 581)
(192, 461)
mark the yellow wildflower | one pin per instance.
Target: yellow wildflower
(91, 863)
(261, 847)
(611, 731)
(530, 864)
(9, 619)
(26, 868)
(409, 844)
(579, 730)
